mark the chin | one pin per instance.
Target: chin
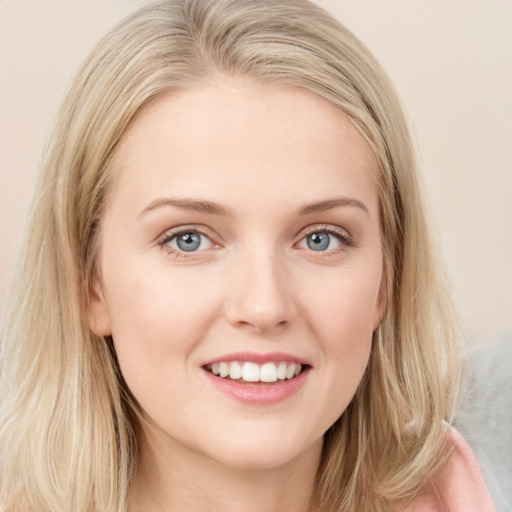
(251, 454)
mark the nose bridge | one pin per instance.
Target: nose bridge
(261, 294)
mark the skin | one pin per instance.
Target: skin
(262, 154)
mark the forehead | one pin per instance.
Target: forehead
(231, 136)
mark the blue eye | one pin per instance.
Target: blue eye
(189, 241)
(324, 240)
(318, 241)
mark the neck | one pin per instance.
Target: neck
(171, 477)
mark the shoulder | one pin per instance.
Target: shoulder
(460, 482)
(458, 486)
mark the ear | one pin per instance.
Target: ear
(98, 315)
(382, 301)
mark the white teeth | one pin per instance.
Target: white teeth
(268, 372)
(281, 370)
(235, 370)
(223, 369)
(253, 372)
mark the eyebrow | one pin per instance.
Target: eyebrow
(329, 204)
(201, 206)
(187, 204)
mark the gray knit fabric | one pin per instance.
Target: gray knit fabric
(485, 415)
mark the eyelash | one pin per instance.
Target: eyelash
(344, 238)
(170, 235)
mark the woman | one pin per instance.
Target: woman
(228, 299)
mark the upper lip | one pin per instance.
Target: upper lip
(259, 358)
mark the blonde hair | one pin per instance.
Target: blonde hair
(67, 427)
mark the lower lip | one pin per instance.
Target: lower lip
(260, 393)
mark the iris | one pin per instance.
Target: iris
(318, 241)
(188, 241)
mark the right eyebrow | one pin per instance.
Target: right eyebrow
(329, 204)
(195, 205)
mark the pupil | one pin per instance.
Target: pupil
(318, 241)
(189, 242)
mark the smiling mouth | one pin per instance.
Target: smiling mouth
(249, 372)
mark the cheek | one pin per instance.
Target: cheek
(344, 311)
(157, 321)
(343, 320)
(347, 330)
(157, 301)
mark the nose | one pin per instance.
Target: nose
(261, 296)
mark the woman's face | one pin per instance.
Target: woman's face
(241, 236)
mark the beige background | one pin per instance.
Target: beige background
(450, 60)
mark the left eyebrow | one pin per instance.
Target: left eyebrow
(187, 204)
(329, 204)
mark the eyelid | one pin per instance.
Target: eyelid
(343, 234)
(163, 240)
(344, 237)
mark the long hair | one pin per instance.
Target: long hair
(67, 420)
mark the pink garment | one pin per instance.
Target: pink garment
(459, 485)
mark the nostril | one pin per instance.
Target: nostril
(260, 300)
(262, 324)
